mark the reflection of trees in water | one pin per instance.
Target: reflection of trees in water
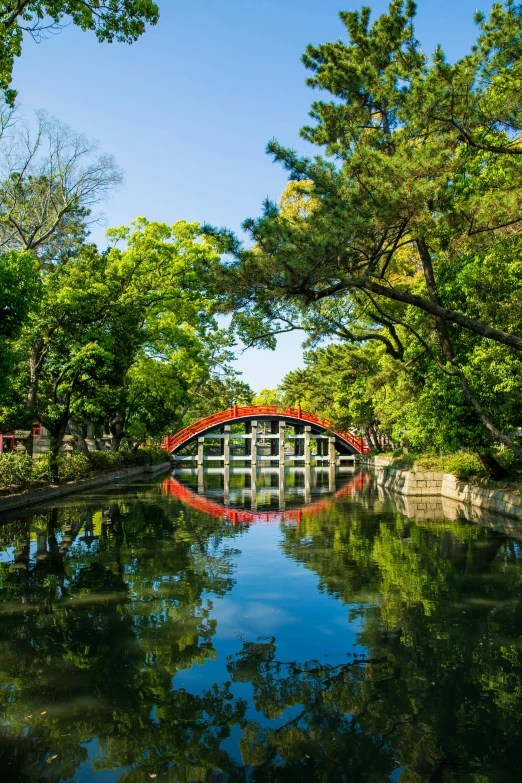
(446, 616)
(324, 713)
(96, 628)
(94, 634)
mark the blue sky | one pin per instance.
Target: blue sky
(188, 110)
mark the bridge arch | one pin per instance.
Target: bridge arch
(179, 491)
(346, 442)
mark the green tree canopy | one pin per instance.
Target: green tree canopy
(390, 236)
(110, 20)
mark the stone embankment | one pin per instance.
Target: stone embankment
(46, 494)
(434, 507)
(429, 485)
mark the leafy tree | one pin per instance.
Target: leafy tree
(344, 383)
(377, 237)
(19, 287)
(50, 184)
(268, 397)
(124, 336)
(19, 291)
(213, 383)
(112, 20)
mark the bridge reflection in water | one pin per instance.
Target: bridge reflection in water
(263, 495)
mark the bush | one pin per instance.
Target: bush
(20, 470)
(111, 460)
(132, 459)
(404, 461)
(42, 469)
(72, 467)
(106, 460)
(151, 455)
(15, 470)
(464, 466)
(509, 461)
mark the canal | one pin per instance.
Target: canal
(211, 628)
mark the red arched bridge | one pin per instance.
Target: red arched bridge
(306, 425)
(241, 516)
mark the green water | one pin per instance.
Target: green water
(147, 637)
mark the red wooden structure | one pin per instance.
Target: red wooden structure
(6, 443)
(174, 443)
(241, 516)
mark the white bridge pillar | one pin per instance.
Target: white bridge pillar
(308, 486)
(282, 483)
(253, 486)
(201, 450)
(226, 444)
(331, 450)
(331, 477)
(281, 443)
(253, 444)
(307, 431)
(226, 485)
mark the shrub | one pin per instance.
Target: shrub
(42, 468)
(151, 455)
(132, 459)
(463, 465)
(106, 460)
(509, 461)
(15, 470)
(72, 467)
(405, 461)
(21, 471)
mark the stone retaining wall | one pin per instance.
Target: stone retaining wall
(499, 500)
(376, 462)
(405, 482)
(445, 485)
(24, 499)
(435, 507)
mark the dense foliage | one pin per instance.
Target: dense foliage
(20, 471)
(123, 340)
(404, 238)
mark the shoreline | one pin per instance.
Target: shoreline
(31, 497)
(430, 485)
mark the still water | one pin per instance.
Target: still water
(203, 629)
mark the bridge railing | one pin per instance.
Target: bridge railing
(173, 442)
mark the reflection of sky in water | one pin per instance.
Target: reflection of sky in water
(267, 600)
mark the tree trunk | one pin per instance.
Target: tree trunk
(57, 431)
(117, 430)
(493, 467)
(78, 437)
(369, 438)
(378, 444)
(442, 329)
(36, 359)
